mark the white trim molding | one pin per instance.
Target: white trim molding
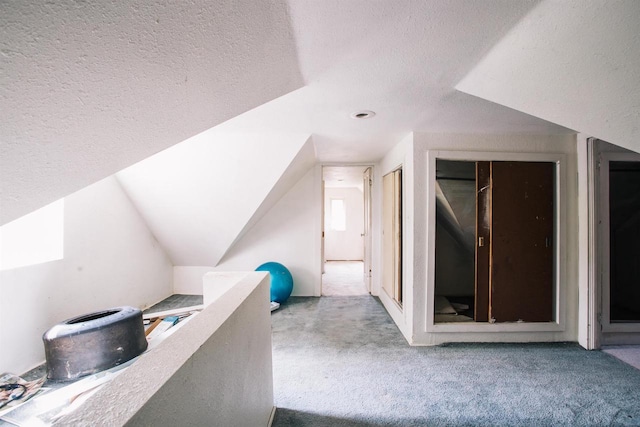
(560, 237)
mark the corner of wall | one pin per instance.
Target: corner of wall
(187, 280)
(401, 155)
(288, 233)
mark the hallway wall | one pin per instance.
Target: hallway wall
(348, 244)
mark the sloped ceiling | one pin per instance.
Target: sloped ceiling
(199, 196)
(304, 160)
(571, 62)
(398, 58)
(88, 88)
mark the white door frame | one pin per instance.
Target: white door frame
(595, 328)
(371, 210)
(604, 159)
(367, 190)
(589, 329)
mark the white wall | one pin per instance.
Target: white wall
(198, 196)
(347, 245)
(400, 156)
(188, 279)
(571, 62)
(289, 233)
(110, 259)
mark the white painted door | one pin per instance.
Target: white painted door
(324, 258)
(366, 190)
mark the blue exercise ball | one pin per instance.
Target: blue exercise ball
(281, 280)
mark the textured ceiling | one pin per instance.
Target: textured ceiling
(88, 88)
(343, 176)
(400, 59)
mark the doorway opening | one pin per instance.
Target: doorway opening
(343, 278)
(346, 234)
(495, 241)
(624, 242)
(619, 245)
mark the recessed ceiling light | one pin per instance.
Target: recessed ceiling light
(364, 114)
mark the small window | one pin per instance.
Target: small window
(33, 239)
(338, 215)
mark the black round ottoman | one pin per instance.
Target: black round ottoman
(93, 342)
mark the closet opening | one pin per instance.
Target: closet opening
(617, 244)
(624, 241)
(495, 241)
(455, 241)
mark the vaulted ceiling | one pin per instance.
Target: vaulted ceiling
(89, 88)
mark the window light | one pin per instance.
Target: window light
(338, 215)
(34, 238)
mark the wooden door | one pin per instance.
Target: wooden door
(483, 241)
(522, 217)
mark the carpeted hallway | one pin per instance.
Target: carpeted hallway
(341, 361)
(343, 278)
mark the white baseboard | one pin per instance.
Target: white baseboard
(272, 416)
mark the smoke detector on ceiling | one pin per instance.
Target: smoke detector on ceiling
(364, 114)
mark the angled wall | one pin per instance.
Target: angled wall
(110, 259)
(89, 88)
(288, 233)
(574, 63)
(299, 166)
(198, 196)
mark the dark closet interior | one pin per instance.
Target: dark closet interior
(624, 244)
(494, 241)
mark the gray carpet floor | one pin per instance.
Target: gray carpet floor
(341, 361)
(343, 278)
(175, 301)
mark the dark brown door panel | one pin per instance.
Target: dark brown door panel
(521, 282)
